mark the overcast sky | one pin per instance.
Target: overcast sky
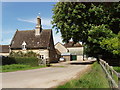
(22, 16)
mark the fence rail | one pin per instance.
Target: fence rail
(111, 74)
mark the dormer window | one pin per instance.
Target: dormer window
(38, 42)
(24, 45)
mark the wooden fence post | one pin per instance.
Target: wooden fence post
(109, 72)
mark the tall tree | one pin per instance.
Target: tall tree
(75, 20)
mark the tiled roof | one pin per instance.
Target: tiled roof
(32, 41)
(4, 48)
(72, 44)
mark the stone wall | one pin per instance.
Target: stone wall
(67, 58)
(4, 54)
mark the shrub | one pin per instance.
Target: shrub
(28, 58)
(8, 60)
(21, 54)
(33, 61)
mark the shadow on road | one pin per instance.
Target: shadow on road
(82, 63)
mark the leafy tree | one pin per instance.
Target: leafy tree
(111, 44)
(74, 19)
(84, 22)
(96, 35)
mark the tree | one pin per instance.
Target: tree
(96, 35)
(75, 20)
(111, 44)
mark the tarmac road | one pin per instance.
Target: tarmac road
(44, 77)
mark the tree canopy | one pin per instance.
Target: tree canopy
(95, 24)
(74, 19)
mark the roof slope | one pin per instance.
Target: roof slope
(72, 44)
(4, 48)
(30, 39)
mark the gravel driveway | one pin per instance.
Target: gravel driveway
(44, 77)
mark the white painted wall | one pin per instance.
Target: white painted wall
(76, 50)
(60, 48)
(80, 57)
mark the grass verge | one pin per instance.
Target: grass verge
(17, 67)
(117, 69)
(95, 78)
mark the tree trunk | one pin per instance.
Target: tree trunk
(83, 52)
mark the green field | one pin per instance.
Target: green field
(17, 67)
(95, 78)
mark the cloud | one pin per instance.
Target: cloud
(46, 22)
(25, 20)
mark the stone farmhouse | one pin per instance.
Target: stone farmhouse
(38, 40)
(70, 51)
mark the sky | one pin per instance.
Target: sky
(22, 16)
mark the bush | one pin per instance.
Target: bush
(21, 54)
(8, 60)
(33, 61)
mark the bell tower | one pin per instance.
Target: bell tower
(38, 27)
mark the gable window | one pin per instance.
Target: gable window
(24, 45)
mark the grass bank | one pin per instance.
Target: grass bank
(95, 78)
(117, 69)
(17, 67)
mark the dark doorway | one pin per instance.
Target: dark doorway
(73, 57)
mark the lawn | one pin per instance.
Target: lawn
(17, 67)
(95, 78)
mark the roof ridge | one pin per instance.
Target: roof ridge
(26, 30)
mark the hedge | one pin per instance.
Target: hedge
(7, 60)
(33, 61)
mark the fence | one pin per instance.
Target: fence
(112, 75)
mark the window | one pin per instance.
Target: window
(41, 56)
(24, 45)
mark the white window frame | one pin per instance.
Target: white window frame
(41, 56)
(24, 45)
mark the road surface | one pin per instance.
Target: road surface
(44, 77)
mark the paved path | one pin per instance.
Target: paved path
(42, 78)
